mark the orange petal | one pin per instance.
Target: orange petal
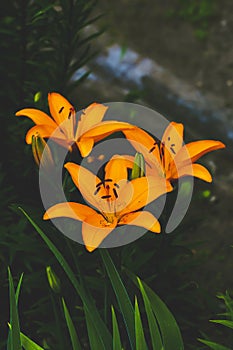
(106, 128)
(85, 181)
(90, 116)
(45, 131)
(142, 218)
(37, 116)
(94, 230)
(71, 210)
(116, 168)
(196, 170)
(60, 108)
(85, 146)
(143, 143)
(142, 191)
(173, 141)
(195, 150)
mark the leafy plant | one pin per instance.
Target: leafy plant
(162, 325)
(227, 322)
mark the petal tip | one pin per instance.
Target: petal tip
(46, 216)
(90, 249)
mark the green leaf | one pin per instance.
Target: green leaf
(89, 304)
(213, 345)
(121, 295)
(139, 333)
(28, 344)
(226, 323)
(18, 289)
(73, 335)
(115, 330)
(93, 335)
(14, 332)
(169, 329)
(170, 333)
(153, 326)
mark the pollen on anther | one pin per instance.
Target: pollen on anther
(61, 109)
(115, 193)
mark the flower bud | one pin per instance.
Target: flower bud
(53, 280)
(138, 166)
(39, 148)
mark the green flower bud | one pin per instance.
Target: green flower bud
(38, 148)
(53, 280)
(37, 96)
(138, 166)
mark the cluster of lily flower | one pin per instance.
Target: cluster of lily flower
(117, 199)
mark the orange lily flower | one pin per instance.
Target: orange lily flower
(170, 156)
(116, 200)
(63, 128)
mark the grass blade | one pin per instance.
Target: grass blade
(73, 335)
(121, 295)
(139, 333)
(18, 289)
(93, 335)
(226, 323)
(29, 344)
(115, 330)
(90, 306)
(170, 332)
(153, 326)
(14, 332)
(213, 345)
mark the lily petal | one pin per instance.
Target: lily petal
(142, 191)
(143, 143)
(116, 168)
(90, 116)
(45, 131)
(143, 219)
(173, 141)
(37, 116)
(85, 146)
(101, 130)
(60, 108)
(71, 210)
(195, 150)
(196, 170)
(106, 128)
(95, 229)
(85, 181)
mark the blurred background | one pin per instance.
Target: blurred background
(174, 56)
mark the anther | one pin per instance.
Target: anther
(115, 193)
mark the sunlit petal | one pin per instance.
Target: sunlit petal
(142, 191)
(90, 116)
(143, 219)
(172, 142)
(195, 150)
(196, 170)
(71, 210)
(37, 116)
(143, 143)
(45, 131)
(85, 146)
(61, 109)
(85, 181)
(116, 168)
(95, 229)
(107, 128)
